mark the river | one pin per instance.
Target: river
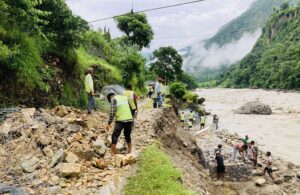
(278, 133)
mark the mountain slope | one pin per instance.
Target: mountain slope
(251, 20)
(274, 61)
(232, 42)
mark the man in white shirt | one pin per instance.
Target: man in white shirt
(268, 168)
(89, 88)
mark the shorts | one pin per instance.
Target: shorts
(182, 121)
(127, 126)
(245, 147)
(269, 170)
(220, 169)
(202, 124)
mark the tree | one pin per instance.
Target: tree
(62, 28)
(137, 29)
(167, 63)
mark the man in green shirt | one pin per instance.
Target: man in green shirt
(89, 88)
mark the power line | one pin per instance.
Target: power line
(148, 10)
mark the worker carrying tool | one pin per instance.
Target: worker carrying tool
(121, 111)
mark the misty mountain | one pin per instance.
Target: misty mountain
(230, 44)
(274, 61)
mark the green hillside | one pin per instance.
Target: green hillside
(45, 51)
(255, 17)
(249, 22)
(274, 61)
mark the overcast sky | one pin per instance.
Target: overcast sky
(177, 26)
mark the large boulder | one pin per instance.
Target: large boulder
(255, 107)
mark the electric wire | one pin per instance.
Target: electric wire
(147, 10)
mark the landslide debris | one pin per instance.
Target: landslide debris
(254, 107)
(59, 150)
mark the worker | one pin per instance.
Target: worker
(89, 88)
(238, 147)
(182, 117)
(190, 124)
(121, 111)
(202, 121)
(246, 142)
(150, 90)
(132, 98)
(191, 116)
(158, 92)
(268, 168)
(216, 121)
(163, 91)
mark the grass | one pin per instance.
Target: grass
(155, 175)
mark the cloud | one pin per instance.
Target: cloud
(185, 24)
(217, 56)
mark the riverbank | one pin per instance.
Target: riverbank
(278, 132)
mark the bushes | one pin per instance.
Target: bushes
(178, 89)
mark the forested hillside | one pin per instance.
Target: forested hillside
(274, 61)
(229, 39)
(45, 51)
(251, 20)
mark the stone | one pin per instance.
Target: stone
(54, 180)
(254, 107)
(83, 151)
(256, 173)
(28, 115)
(71, 158)
(28, 190)
(43, 141)
(61, 111)
(298, 175)
(120, 147)
(48, 152)
(54, 190)
(108, 141)
(118, 160)
(275, 168)
(71, 118)
(99, 146)
(121, 160)
(92, 123)
(278, 181)
(260, 181)
(70, 170)
(100, 163)
(73, 128)
(29, 163)
(58, 157)
(218, 183)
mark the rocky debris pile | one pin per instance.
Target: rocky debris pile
(254, 107)
(61, 150)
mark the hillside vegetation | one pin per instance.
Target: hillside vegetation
(225, 39)
(274, 61)
(251, 20)
(45, 51)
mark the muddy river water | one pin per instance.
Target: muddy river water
(278, 133)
